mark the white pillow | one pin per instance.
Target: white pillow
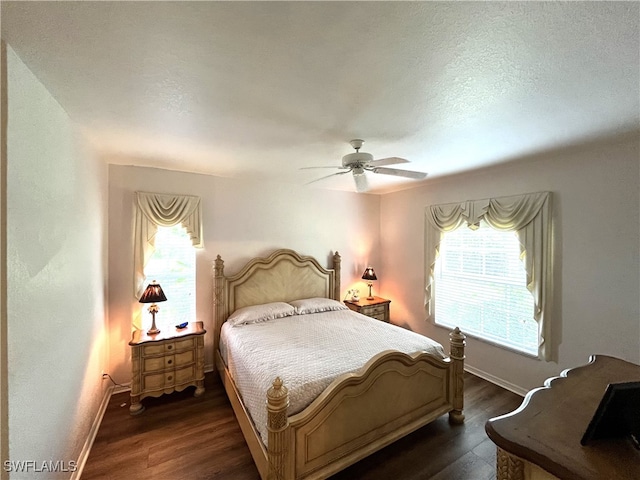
(316, 305)
(260, 313)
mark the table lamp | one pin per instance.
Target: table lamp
(369, 275)
(152, 294)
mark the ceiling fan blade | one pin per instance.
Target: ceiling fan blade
(400, 173)
(327, 176)
(388, 161)
(361, 182)
(326, 166)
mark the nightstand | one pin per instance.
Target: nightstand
(169, 361)
(377, 308)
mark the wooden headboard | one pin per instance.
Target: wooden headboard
(283, 276)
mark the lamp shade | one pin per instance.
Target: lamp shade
(153, 293)
(369, 274)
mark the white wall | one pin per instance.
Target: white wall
(56, 233)
(4, 397)
(596, 209)
(242, 219)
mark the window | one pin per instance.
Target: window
(173, 266)
(475, 252)
(480, 287)
(180, 216)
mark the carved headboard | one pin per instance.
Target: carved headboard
(283, 276)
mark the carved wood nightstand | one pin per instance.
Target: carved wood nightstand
(169, 361)
(377, 308)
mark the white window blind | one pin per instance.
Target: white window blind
(480, 286)
(173, 266)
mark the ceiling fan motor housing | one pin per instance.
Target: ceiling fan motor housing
(357, 158)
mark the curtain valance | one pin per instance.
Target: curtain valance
(529, 216)
(156, 209)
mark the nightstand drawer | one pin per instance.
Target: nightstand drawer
(170, 362)
(184, 375)
(153, 382)
(153, 364)
(156, 349)
(374, 310)
(169, 379)
(376, 307)
(183, 358)
(168, 347)
(188, 344)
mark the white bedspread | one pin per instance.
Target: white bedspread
(307, 352)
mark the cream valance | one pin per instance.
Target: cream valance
(156, 209)
(529, 216)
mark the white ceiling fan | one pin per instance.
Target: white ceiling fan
(360, 162)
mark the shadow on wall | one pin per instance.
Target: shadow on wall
(4, 411)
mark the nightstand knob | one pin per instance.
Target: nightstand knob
(169, 362)
(170, 377)
(169, 347)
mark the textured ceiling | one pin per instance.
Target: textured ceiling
(260, 89)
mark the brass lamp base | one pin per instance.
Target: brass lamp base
(153, 309)
(370, 297)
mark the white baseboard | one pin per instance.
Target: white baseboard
(86, 449)
(497, 381)
(121, 388)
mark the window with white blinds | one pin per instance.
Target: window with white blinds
(480, 286)
(173, 266)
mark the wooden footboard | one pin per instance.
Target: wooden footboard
(359, 413)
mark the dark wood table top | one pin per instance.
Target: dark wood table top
(547, 428)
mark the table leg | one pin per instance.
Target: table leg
(508, 466)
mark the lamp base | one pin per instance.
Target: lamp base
(370, 297)
(153, 330)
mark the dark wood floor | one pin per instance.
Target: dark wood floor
(182, 437)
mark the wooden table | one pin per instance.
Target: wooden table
(541, 439)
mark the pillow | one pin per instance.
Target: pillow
(316, 305)
(260, 313)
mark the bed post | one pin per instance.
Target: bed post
(277, 424)
(219, 304)
(336, 267)
(457, 344)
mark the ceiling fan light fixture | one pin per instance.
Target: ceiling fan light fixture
(362, 185)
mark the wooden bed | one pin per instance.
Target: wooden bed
(332, 432)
